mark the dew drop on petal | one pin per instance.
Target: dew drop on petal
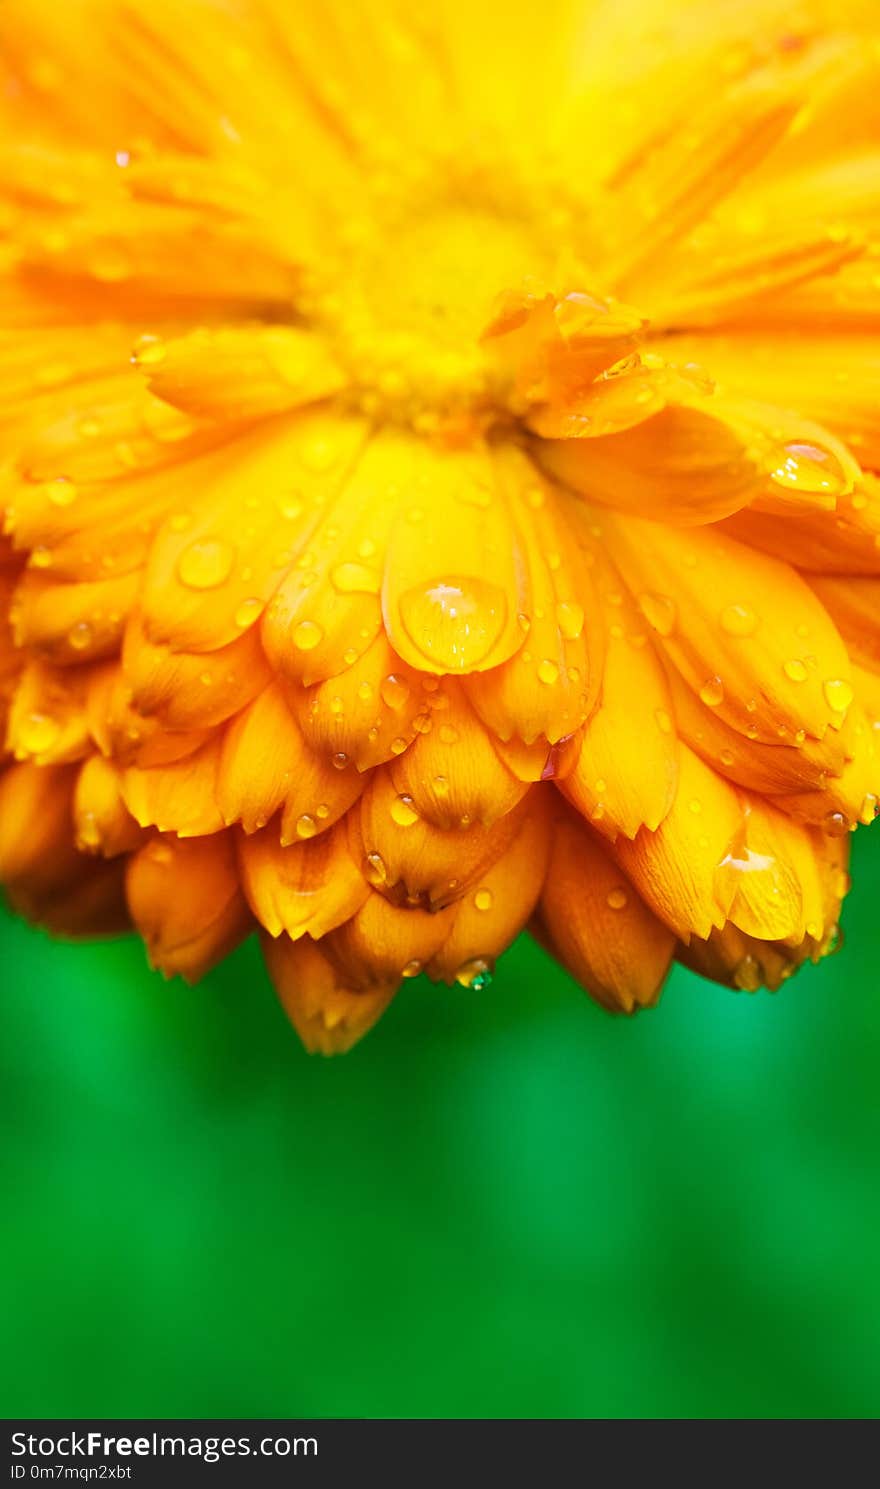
(712, 692)
(548, 672)
(810, 468)
(747, 974)
(375, 871)
(838, 694)
(483, 899)
(206, 564)
(795, 670)
(307, 635)
(455, 623)
(616, 899)
(38, 732)
(247, 612)
(355, 579)
(61, 491)
(570, 619)
(476, 974)
(403, 811)
(80, 635)
(660, 612)
(394, 691)
(739, 620)
(306, 826)
(412, 969)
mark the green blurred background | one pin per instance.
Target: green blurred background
(505, 1204)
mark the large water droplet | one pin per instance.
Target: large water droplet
(80, 635)
(838, 694)
(476, 974)
(394, 691)
(454, 623)
(403, 811)
(712, 692)
(809, 468)
(206, 564)
(747, 974)
(307, 635)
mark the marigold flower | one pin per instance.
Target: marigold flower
(440, 484)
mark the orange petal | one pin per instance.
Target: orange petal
(366, 713)
(103, 824)
(843, 541)
(385, 942)
(72, 623)
(306, 888)
(180, 797)
(47, 715)
(407, 858)
(329, 1016)
(186, 902)
(490, 917)
(600, 929)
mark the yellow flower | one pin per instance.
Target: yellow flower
(439, 451)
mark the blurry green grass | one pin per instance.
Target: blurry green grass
(504, 1204)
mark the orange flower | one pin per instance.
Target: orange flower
(440, 483)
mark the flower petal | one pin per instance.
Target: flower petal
(186, 902)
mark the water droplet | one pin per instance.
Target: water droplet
(836, 824)
(476, 974)
(206, 564)
(355, 579)
(322, 812)
(454, 623)
(727, 757)
(375, 871)
(247, 612)
(441, 786)
(483, 899)
(398, 745)
(149, 351)
(423, 723)
(712, 692)
(838, 694)
(41, 557)
(570, 619)
(307, 635)
(88, 835)
(38, 732)
(80, 635)
(747, 974)
(795, 670)
(394, 691)
(365, 692)
(739, 620)
(548, 672)
(339, 761)
(833, 941)
(306, 826)
(660, 612)
(403, 811)
(809, 468)
(61, 491)
(616, 899)
(290, 506)
(412, 969)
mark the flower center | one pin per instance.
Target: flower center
(415, 283)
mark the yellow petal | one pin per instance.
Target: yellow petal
(47, 714)
(724, 612)
(366, 713)
(677, 868)
(71, 623)
(191, 690)
(240, 372)
(625, 772)
(453, 588)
